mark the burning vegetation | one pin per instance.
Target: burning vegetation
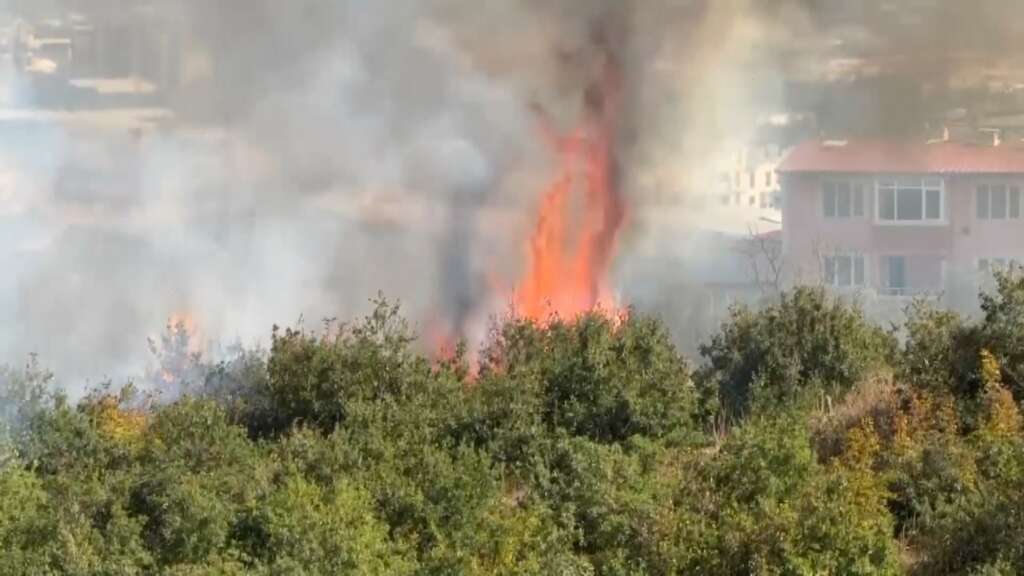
(177, 351)
(302, 155)
(581, 213)
(806, 439)
(576, 220)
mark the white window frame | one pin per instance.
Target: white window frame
(853, 256)
(943, 219)
(1007, 186)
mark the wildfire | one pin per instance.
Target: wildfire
(577, 224)
(570, 253)
(184, 325)
(178, 348)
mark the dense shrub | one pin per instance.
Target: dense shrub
(306, 528)
(807, 340)
(943, 349)
(1003, 326)
(350, 374)
(940, 352)
(576, 447)
(24, 392)
(600, 377)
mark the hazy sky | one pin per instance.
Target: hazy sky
(325, 150)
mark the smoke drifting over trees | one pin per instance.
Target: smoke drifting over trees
(324, 150)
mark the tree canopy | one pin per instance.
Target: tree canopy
(805, 440)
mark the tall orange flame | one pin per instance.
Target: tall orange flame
(569, 257)
(579, 218)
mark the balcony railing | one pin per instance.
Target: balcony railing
(889, 292)
(908, 292)
(897, 292)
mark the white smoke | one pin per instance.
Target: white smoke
(330, 187)
(325, 150)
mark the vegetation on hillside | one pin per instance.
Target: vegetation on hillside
(804, 441)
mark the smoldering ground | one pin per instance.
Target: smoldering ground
(329, 150)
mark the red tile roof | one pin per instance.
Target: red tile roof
(904, 158)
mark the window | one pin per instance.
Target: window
(751, 200)
(910, 200)
(843, 199)
(764, 199)
(768, 179)
(997, 202)
(753, 179)
(896, 283)
(844, 270)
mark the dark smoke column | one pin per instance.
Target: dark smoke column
(461, 289)
(603, 112)
(572, 247)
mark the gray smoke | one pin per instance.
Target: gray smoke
(321, 151)
(336, 149)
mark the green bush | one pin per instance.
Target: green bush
(807, 340)
(366, 371)
(1001, 327)
(576, 447)
(602, 378)
(942, 350)
(311, 530)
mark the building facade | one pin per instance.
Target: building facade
(110, 50)
(749, 184)
(898, 219)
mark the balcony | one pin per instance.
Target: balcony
(907, 293)
(895, 292)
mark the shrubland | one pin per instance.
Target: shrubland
(804, 440)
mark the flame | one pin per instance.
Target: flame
(441, 340)
(176, 349)
(579, 218)
(569, 258)
(182, 324)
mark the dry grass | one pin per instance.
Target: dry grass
(876, 399)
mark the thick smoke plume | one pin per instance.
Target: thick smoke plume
(321, 151)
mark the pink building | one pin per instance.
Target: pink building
(899, 219)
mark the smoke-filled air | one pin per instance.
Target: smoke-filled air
(241, 164)
(511, 287)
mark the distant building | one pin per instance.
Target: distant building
(898, 219)
(748, 186)
(140, 41)
(108, 52)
